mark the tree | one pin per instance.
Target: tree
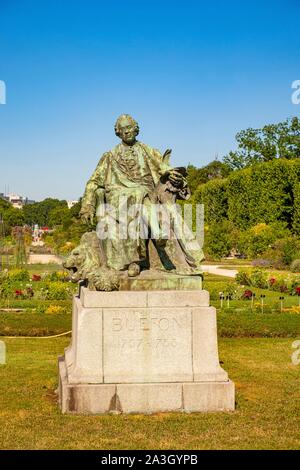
(13, 217)
(4, 205)
(60, 216)
(257, 239)
(39, 212)
(213, 195)
(75, 210)
(10, 216)
(273, 141)
(218, 242)
(214, 170)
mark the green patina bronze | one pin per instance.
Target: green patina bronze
(134, 175)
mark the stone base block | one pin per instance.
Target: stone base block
(143, 397)
(160, 281)
(143, 352)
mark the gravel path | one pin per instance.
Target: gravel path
(213, 269)
(43, 259)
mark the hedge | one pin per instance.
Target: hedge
(267, 192)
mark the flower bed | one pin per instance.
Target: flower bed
(19, 284)
(286, 284)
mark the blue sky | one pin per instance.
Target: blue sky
(193, 73)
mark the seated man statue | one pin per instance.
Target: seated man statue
(135, 176)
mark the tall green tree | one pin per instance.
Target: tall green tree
(214, 170)
(10, 216)
(39, 212)
(272, 141)
(60, 216)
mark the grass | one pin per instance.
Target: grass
(37, 268)
(255, 349)
(229, 262)
(31, 322)
(233, 323)
(231, 268)
(240, 320)
(43, 268)
(266, 417)
(237, 321)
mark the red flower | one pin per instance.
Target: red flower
(297, 290)
(18, 292)
(272, 281)
(247, 294)
(36, 277)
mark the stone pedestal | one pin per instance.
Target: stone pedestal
(143, 352)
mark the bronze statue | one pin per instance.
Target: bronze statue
(128, 182)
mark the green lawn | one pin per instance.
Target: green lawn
(43, 268)
(267, 414)
(239, 320)
(229, 262)
(31, 322)
(255, 349)
(231, 323)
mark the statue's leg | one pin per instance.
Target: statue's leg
(183, 247)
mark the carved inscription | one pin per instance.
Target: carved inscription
(143, 330)
(147, 344)
(142, 321)
(159, 344)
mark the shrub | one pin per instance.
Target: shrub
(267, 192)
(67, 248)
(243, 278)
(283, 251)
(41, 308)
(56, 290)
(55, 309)
(295, 266)
(218, 239)
(256, 240)
(18, 275)
(57, 276)
(259, 279)
(15, 283)
(27, 293)
(247, 294)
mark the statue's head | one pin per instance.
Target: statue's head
(127, 129)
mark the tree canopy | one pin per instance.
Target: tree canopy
(281, 140)
(40, 212)
(215, 169)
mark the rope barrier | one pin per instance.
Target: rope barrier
(37, 337)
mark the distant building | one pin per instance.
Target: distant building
(16, 200)
(71, 203)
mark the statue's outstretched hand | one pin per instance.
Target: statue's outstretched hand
(175, 177)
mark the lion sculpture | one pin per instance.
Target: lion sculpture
(86, 263)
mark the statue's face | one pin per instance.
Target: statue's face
(127, 131)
